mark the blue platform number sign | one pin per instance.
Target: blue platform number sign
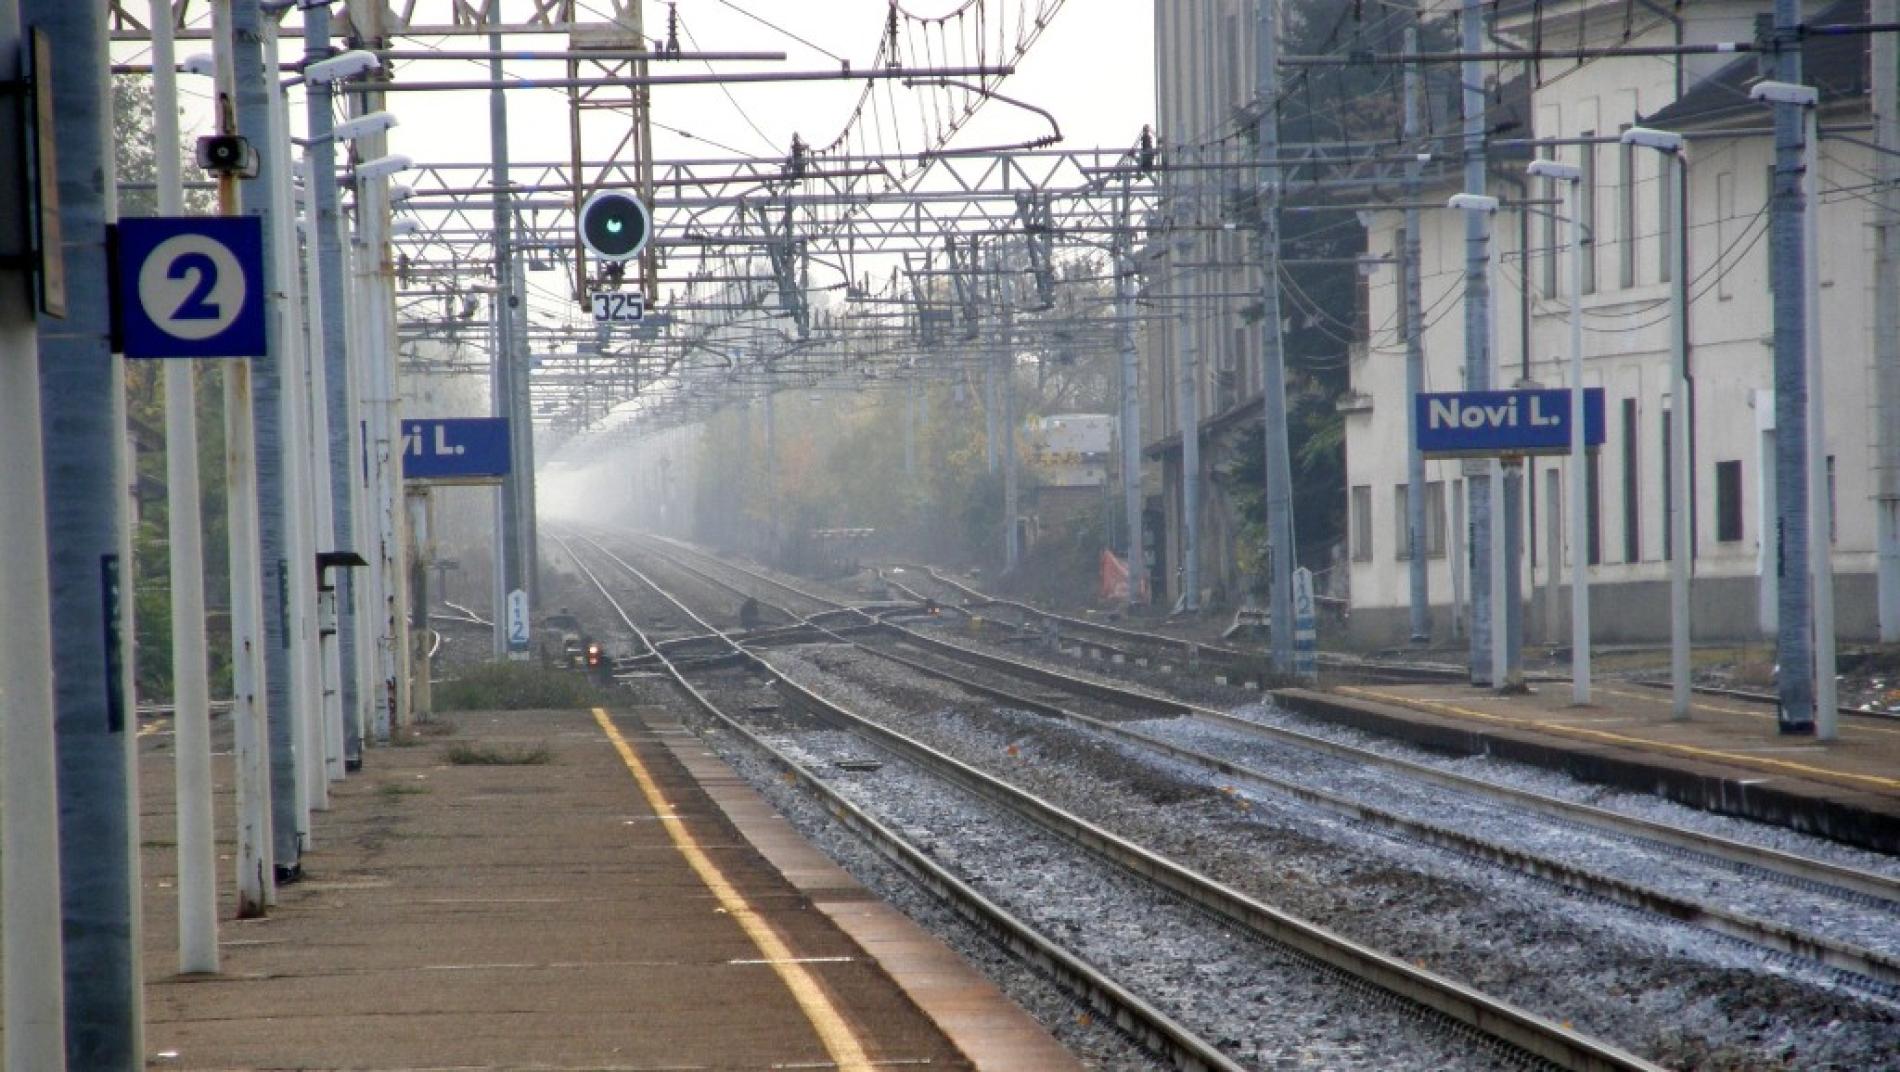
(455, 450)
(190, 286)
(1481, 423)
(1305, 626)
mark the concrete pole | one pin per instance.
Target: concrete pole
(252, 99)
(515, 566)
(299, 548)
(1279, 455)
(379, 401)
(249, 719)
(82, 408)
(1477, 336)
(1412, 302)
(30, 933)
(992, 423)
(329, 720)
(1130, 396)
(362, 443)
(327, 298)
(1821, 546)
(421, 552)
(1006, 377)
(1188, 410)
(1578, 507)
(1681, 518)
(191, 699)
(1886, 75)
(1794, 641)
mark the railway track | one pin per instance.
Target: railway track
(1524, 1037)
(1820, 911)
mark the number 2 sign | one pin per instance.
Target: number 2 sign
(190, 286)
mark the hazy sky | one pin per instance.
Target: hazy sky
(1093, 67)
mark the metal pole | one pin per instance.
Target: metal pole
(82, 421)
(30, 933)
(1886, 75)
(248, 716)
(1821, 547)
(1477, 339)
(1188, 408)
(298, 579)
(327, 295)
(771, 476)
(520, 425)
(323, 515)
(1131, 396)
(1279, 459)
(1682, 529)
(1794, 641)
(191, 699)
(508, 538)
(1006, 377)
(1413, 304)
(1579, 506)
(252, 98)
(992, 430)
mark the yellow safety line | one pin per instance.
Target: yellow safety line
(839, 1040)
(1618, 738)
(1658, 697)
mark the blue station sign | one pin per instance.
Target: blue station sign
(1484, 423)
(189, 286)
(455, 450)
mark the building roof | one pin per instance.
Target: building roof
(1837, 64)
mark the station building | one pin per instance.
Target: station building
(1627, 214)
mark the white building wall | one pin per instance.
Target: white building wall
(1626, 346)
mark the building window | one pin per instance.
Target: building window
(1593, 524)
(1728, 501)
(1362, 523)
(1626, 217)
(1433, 536)
(1632, 486)
(1587, 192)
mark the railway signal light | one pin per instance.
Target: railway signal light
(615, 225)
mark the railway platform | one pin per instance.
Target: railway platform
(563, 890)
(1727, 757)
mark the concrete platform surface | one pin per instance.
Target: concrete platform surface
(627, 903)
(1727, 757)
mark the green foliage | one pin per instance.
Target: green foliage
(515, 686)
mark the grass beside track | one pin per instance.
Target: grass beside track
(515, 686)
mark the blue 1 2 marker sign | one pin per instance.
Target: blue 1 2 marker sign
(190, 286)
(1481, 423)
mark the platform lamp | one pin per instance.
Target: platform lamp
(1572, 175)
(1681, 532)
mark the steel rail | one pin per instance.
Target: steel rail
(1498, 1021)
(1791, 867)
(1149, 1025)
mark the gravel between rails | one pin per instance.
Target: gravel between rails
(1675, 994)
(1267, 1008)
(1249, 705)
